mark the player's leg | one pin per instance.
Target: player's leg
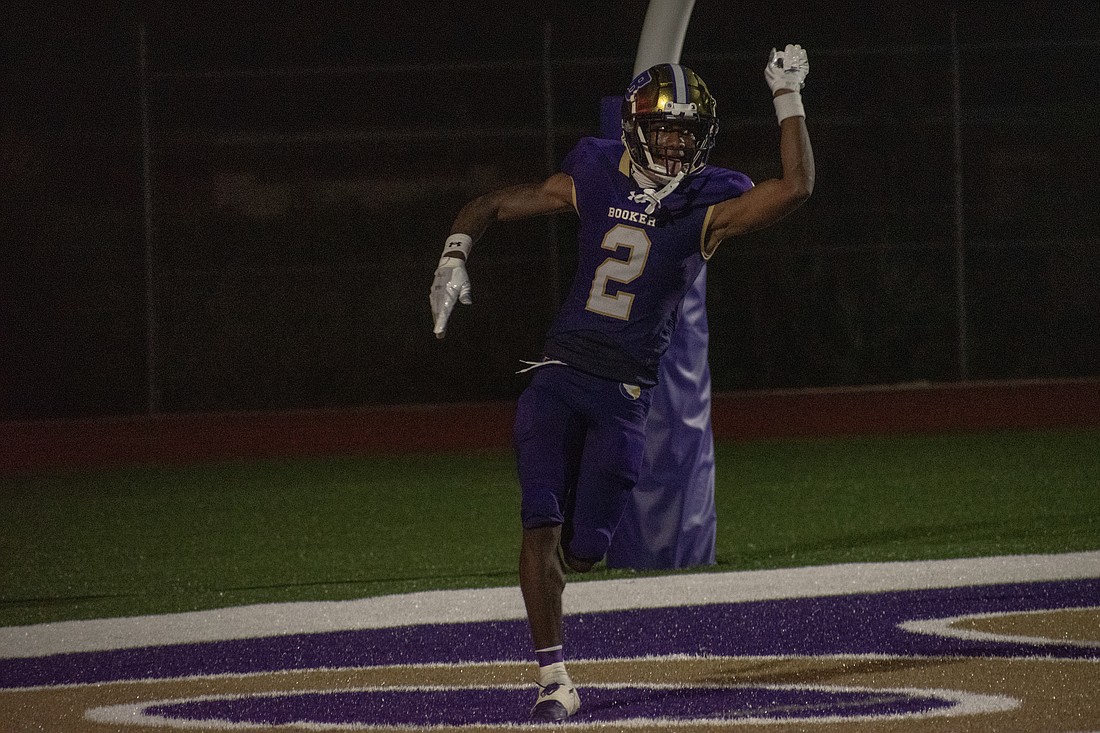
(569, 510)
(611, 464)
(542, 581)
(548, 437)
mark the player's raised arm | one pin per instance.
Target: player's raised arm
(771, 200)
(451, 283)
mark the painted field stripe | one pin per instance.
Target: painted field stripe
(964, 703)
(946, 627)
(491, 604)
(574, 663)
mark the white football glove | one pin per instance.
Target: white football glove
(451, 285)
(787, 69)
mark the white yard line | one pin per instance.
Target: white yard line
(458, 606)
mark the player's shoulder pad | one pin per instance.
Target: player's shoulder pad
(717, 184)
(593, 151)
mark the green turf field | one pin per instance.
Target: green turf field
(123, 542)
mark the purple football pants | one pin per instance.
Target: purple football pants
(579, 443)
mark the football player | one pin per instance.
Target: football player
(651, 211)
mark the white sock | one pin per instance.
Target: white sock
(552, 673)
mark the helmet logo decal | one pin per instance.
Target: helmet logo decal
(639, 81)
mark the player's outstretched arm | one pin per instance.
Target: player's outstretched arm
(771, 200)
(451, 283)
(525, 200)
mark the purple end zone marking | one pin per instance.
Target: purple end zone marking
(849, 624)
(486, 706)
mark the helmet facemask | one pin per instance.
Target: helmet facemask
(668, 146)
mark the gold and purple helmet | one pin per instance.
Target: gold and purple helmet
(668, 96)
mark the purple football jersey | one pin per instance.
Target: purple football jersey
(633, 268)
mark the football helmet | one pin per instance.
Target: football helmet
(669, 121)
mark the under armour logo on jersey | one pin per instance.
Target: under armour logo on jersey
(648, 197)
(653, 198)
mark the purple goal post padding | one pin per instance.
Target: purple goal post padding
(671, 520)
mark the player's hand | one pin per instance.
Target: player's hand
(787, 69)
(451, 285)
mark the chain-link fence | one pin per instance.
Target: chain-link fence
(220, 213)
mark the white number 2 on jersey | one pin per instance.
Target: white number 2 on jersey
(637, 244)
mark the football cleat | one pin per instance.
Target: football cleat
(555, 703)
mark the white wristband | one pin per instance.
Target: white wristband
(456, 244)
(788, 105)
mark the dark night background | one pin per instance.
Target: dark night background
(301, 169)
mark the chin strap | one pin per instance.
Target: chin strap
(654, 196)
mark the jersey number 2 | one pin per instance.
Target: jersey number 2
(615, 270)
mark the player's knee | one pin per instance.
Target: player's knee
(577, 565)
(585, 548)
